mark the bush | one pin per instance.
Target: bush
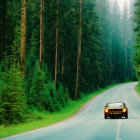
(55, 99)
(43, 94)
(62, 95)
(37, 88)
(51, 93)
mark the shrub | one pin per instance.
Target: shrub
(37, 88)
(62, 95)
(12, 97)
(43, 94)
(51, 93)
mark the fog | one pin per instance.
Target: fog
(116, 18)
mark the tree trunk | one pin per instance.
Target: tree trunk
(56, 51)
(79, 52)
(126, 63)
(23, 37)
(62, 68)
(110, 63)
(41, 32)
(4, 26)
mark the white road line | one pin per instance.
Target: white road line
(118, 130)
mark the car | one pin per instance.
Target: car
(116, 109)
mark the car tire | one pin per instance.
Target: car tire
(126, 115)
(105, 116)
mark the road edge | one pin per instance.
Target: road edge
(136, 92)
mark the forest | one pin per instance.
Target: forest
(55, 51)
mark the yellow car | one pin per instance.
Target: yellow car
(115, 109)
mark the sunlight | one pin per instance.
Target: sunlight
(122, 5)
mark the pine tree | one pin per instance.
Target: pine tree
(37, 88)
(12, 97)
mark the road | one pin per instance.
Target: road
(89, 123)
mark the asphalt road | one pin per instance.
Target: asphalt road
(89, 123)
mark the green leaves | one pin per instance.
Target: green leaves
(43, 93)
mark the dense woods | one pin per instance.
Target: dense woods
(137, 44)
(54, 51)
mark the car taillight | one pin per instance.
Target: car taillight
(106, 110)
(124, 110)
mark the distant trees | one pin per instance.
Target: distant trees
(137, 46)
(117, 39)
(8, 24)
(3, 8)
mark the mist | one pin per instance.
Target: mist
(116, 19)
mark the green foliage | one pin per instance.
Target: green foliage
(12, 98)
(43, 93)
(53, 102)
(37, 87)
(57, 98)
(138, 88)
(62, 95)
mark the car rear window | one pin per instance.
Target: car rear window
(115, 104)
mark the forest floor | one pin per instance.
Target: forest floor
(43, 119)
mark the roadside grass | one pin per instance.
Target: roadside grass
(138, 88)
(45, 118)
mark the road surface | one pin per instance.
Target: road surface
(90, 124)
